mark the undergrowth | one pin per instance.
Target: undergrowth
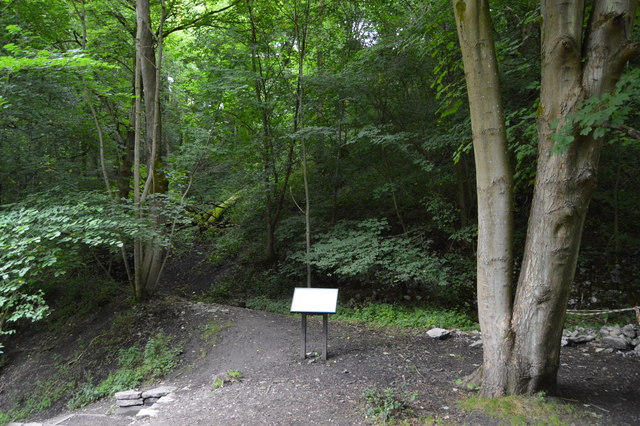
(136, 365)
(387, 315)
(211, 331)
(381, 314)
(387, 404)
(523, 410)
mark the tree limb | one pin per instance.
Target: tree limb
(196, 21)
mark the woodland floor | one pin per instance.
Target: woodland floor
(279, 388)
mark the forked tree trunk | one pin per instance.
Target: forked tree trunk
(149, 255)
(574, 67)
(522, 357)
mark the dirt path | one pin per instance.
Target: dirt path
(280, 389)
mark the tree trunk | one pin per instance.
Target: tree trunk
(300, 24)
(523, 357)
(573, 69)
(126, 163)
(148, 256)
(275, 184)
(494, 189)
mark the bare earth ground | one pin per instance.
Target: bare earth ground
(279, 388)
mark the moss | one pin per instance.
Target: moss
(461, 8)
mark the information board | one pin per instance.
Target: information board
(314, 300)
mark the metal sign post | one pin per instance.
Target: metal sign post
(314, 301)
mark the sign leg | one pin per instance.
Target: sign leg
(325, 329)
(303, 354)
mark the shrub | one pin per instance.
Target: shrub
(135, 365)
(44, 237)
(363, 252)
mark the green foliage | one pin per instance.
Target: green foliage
(228, 244)
(136, 365)
(263, 303)
(362, 251)
(386, 315)
(44, 59)
(600, 116)
(387, 404)
(42, 238)
(229, 377)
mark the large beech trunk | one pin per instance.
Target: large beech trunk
(522, 345)
(575, 66)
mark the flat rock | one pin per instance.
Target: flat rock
(165, 399)
(158, 392)
(576, 340)
(476, 344)
(146, 412)
(129, 402)
(438, 333)
(128, 394)
(128, 411)
(615, 331)
(629, 331)
(615, 342)
(88, 419)
(25, 424)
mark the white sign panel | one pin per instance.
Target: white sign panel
(314, 300)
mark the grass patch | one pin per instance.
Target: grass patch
(227, 378)
(621, 319)
(524, 410)
(387, 315)
(381, 314)
(44, 394)
(210, 332)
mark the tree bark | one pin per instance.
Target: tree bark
(574, 67)
(522, 357)
(301, 24)
(494, 191)
(148, 256)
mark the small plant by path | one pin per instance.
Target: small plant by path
(387, 404)
(227, 378)
(211, 332)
